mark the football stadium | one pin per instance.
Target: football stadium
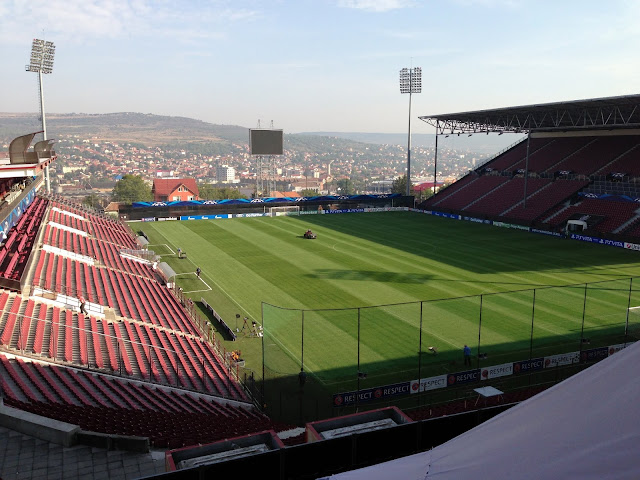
(324, 334)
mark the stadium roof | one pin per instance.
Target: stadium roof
(592, 114)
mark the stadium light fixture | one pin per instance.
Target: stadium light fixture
(410, 82)
(41, 61)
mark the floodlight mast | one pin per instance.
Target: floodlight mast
(410, 82)
(41, 61)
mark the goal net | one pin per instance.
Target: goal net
(289, 210)
(633, 323)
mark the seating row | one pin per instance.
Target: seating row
(15, 251)
(615, 213)
(105, 252)
(96, 230)
(110, 405)
(128, 348)
(129, 295)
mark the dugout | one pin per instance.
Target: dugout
(161, 211)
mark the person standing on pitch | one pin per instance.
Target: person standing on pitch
(179, 252)
(198, 272)
(466, 351)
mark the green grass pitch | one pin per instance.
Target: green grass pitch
(364, 260)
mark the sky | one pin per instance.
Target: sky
(316, 65)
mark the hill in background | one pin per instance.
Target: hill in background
(477, 143)
(159, 130)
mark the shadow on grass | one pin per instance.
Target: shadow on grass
(287, 400)
(478, 248)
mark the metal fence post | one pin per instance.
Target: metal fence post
(479, 332)
(626, 325)
(358, 389)
(533, 315)
(420, 346)
(584, 310)
(264, 334)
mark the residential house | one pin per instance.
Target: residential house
(174, 190)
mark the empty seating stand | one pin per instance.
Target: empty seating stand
(17, 247)
(115, 406)
(505, 197)
(615, 213)
(137, 367)
(540, 202)
(156, 354)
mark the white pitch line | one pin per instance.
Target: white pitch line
(249, 315)
(163, 245)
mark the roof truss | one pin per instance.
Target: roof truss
(593, 114)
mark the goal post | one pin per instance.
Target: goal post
(288, 210)
(632, 327)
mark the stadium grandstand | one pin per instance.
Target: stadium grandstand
(91, 336)
(578, 160)
(100, 359)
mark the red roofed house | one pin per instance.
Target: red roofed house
(174, 190)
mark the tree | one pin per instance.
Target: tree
(309, 192)
(209, 192)
(344, 186)
(399, 185)
(206, 191)
(94, 201)
(132, 188)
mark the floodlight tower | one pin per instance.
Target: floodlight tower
(410, 82)
(42, 54)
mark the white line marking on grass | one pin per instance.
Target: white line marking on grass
(196, 291)
(163, 245)
(208, 289)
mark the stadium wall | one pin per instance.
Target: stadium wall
(144, 211)
(222, 216)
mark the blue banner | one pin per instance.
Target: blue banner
(527, 366)
(371, 394)
(12, 218)
(476, 220)
(446, 215)
(608, 196)
(594, 354)
(239, 201)
(250, 215)
(346, 210)
(205, 217)
(602, 241)
(546, 232)
(460, 378)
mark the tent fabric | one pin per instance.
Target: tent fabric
(586, 427)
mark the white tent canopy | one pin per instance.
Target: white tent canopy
(586, 427)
